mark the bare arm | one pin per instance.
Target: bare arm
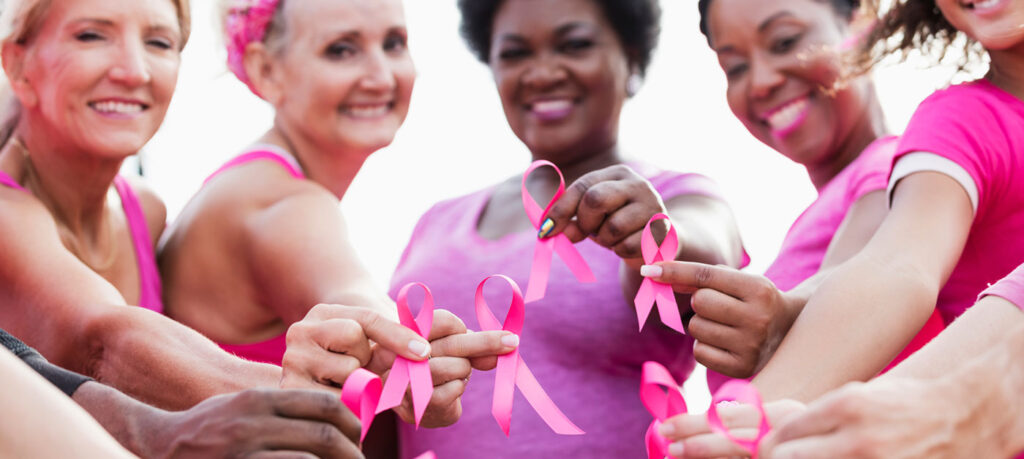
(79, 321)
(871, 306)
(34, 405)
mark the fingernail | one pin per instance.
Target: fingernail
(666, 429)
(545, 228)
(676, 449)
(419, 348)
(510, 340)
(651, 271)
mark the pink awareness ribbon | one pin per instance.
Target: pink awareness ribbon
(427, 455)
(361, 393)
(559, 243)
(652, 291)
(406, 372)
(661, 396)
(742, 392)
(512, 370)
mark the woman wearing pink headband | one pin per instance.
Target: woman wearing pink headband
(263, 245)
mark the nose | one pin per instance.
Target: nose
(379, 75)
(544, 73)
(765, 78)
(130, 67)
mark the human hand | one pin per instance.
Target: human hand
(611, 205)
(739, 320)
(332, 341)
(258, 423)
(889, 418)
(692, 438)
(455, 352)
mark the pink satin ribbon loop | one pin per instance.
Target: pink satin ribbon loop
(406, 372)
(512, 370)
(361, 393)
(741, 392)
(427, 455)
(544, 249)
(651, 291)
(660, 394)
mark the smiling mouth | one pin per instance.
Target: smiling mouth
(551, 109)
(368, 111)
(118, 107)
(980, 5)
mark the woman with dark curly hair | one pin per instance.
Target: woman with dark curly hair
(563, 70)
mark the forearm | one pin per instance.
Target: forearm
(164, 363)
(132, 423)
(847, 331)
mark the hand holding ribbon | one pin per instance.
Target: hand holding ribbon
(652, 291)
(361, 394)
(512, 370)
(743, 392)
(660, 394)
(559, 243)
(406, 372)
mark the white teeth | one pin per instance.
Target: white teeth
(552, 105)
(986, 4)
(117, 107)
(788, 115)
(368, 111)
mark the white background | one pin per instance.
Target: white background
(456, 140)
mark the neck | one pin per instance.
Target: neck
(72, 184)
(1007, 70)
(333, 170)
(870, 127)
(574, 166)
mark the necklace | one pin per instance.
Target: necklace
(68, 238)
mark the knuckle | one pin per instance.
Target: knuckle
(327, 434)
(703, 276)
(615, 229)
(595, 198)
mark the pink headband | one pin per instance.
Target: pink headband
(247, 23)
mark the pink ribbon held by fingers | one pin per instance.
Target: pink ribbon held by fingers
(406, 372)
(361, 393)
(742, 392)
(661, 396)
(559, 243)
(512, 370)
(652, 291)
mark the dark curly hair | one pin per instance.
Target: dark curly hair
(912, 25)
(845, 8)
(636, 22)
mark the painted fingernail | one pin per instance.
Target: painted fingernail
(676, 449)
(419, 348)
(651, 271)
(666, 429)
(510, 340)
(545, 228)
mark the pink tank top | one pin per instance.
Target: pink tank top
(149, 278)
(271, 350)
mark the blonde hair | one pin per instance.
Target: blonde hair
(22, 18)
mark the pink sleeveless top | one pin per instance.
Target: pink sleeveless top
(149, 278)
(271, 350)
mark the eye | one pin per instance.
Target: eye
(88, 36)
(736, 71)
(575, 45)
(511, 54)
(160, 43)
(785, 44)
(395, 42)
(340, 50)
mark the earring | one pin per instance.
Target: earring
(633, 84)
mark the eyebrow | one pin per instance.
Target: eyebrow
(775, 17)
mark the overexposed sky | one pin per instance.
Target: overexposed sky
(456, 140)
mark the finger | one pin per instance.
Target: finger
(712, 445)
(815, 447)
(573, 232)
(563, 210)
(713, 334)
(630, 249)
(381, 360)
(342, 336)
(624, 222)
(319, 438)
(823, 416)
(391, 335)
(445, 324)
(315, 369)
(446, 369)
(719, 360)
(484, 363)
(718, 307)
(600, 202)
(687, 277)
(685, 426)
(316, 406)
(475, 344)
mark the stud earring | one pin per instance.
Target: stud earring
(633, 84)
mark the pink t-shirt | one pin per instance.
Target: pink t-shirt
(1011, 288)
(979, 127)
(580, 340)
(808, 239)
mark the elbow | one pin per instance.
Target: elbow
(101, 334)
